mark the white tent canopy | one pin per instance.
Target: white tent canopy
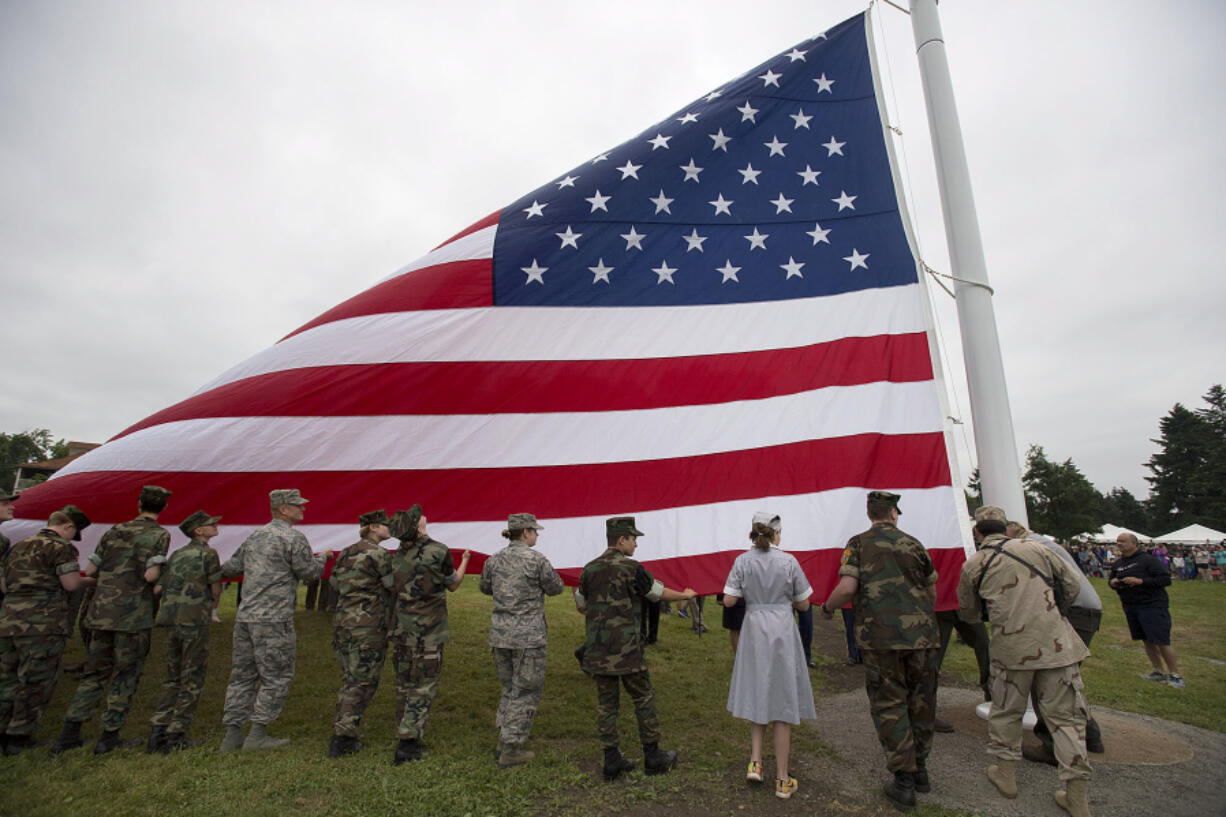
(1192, 535)
(1110, 532)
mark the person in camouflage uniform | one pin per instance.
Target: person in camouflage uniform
(271, 561)
(6, 513)
(1017, 582)
(610, 588)
(518, 578)
(890, 580)
(37, 575)
(422, 573)
(361, 580)
(189, 587)
(128, 562)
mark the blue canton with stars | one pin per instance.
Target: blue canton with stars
(776, 185)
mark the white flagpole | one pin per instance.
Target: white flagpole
(994, 442)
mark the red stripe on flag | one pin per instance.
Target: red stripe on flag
(488, 387)
(451, 285)
(488, 221)
(908, 461)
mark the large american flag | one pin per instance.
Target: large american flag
(719, 315)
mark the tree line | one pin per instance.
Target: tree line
(1187, 478)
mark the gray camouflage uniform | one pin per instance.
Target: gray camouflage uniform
(518, 578)
(272, 560)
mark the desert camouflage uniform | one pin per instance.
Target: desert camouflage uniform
(518, 578)
(187, 605)
(896, 630)
(361, 581)
(609, 590)
(33, 628)
(421, 571)
(121, 617)
(271, 560)
(1033, 645)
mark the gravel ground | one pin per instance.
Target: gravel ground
(1151, 766)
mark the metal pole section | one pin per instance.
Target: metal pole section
(994, 442)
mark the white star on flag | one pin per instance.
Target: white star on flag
(600, 272)
(729, 272)
(800, 119)
(694, 240)
(776, 147)
(809, 175)
(569, 181)
(604, 157)
(659, 141)
(757, 240)
(796, 54)
(770, 78)
(629, 169)
(844, 201)
(598, 202)
(569, 238)
(713, 96)
(721, 141)
(748, 112)
(749, 174)
(721, 205)
(535, 209)
(819, 235)
(833, 146)
(633, 239)
(782, 205)
(792, 267)
(665, 272)
(689, 117)
(661, 202)
(691, 171)
(823, 84)
(535, 273)
(856, 259)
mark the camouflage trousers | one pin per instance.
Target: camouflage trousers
(29, 665)
(1062, 697)
(113, 667)
(522, 673)
(361, 664)
(608, 705)
(261, 672)
(418, 667)
(902, 698)
(187, 663)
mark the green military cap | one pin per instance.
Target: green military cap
(378, 517)
(197, 520)
(154, 493)
(78, 518)
(5, 496)
(404, 523)
(990, 512)
(622, 526)
(523, 521)
(285, 496)
(886, 498)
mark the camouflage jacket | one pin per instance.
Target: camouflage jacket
(123, 600)
(187, 580)
(893, 604)
(36, 603)
(271, 561)
(1028, 631)
(362, 579)
(609, 590)
(518, 578)
(421, 571)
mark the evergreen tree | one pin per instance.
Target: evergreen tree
(1181, 482)
(1060, 500)
(1121, 508)
(31, 445)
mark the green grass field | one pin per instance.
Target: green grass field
(459, 776)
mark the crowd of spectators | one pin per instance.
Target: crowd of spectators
(1206, 562)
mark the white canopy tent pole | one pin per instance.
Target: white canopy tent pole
(995, 446)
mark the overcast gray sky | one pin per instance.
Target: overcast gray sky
(181, 184)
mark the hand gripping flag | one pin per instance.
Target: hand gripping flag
(719, 315)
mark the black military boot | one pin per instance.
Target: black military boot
(343, 745)
(922, 784)
(407, 751)
(157, 741)
(70, 738)
(110, 741)
(16, 744)
(178, 741)
(615, 764)
(901, 791)
(656, 760)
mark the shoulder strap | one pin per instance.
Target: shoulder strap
(1000, 549)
